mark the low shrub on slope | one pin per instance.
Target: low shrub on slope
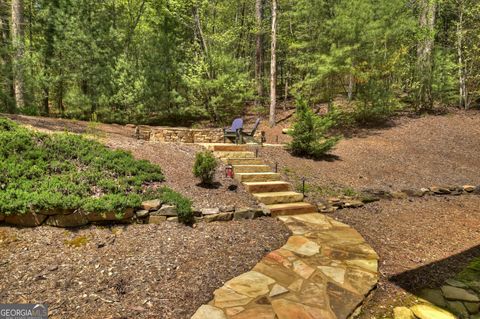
(66, 171)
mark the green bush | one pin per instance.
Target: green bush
(168, 196)
(204, 167)
(67, 171)
(309, 133)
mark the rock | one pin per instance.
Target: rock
(172, 219)
(227, 209)
(434, 296)
(477, 190)
(210, 211)
(142, 213)
(221, 217)
(59, 211)
(247, 213)
(166, 210)
(457, 308)
(424, 311)
(374, 192)
(472, 307)
(440, 190)
(76, 219)
(399, 195)
(353, 204)
(155, 219)
(402, 313)
(110, 216)
(286, 130)
(455, 293)
(302, 246)
(455, 283)
(25, 220)
(209, 312)
(251, 284)
(415, 192)
(151, 205)
(468, 188)
(329, 210)
(277, 290)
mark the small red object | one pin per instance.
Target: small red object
(229, 171)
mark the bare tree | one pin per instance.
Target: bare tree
(19, 48)
(273, 66)
(259, 49)
(427, 11)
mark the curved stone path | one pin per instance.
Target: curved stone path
(324, 271)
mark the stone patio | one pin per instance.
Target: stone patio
(324, 271)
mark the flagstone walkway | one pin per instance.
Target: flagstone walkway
(324, 271)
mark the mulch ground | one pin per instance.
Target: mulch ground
(421, 243)
(137, 271)
(420, 152)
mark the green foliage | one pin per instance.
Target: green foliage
(205, 166)
(184, 205)
(42, 172)
(309, 133)
(178, 62)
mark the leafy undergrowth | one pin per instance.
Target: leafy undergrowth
(66, 171)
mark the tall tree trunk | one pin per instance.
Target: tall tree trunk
(350, 87)
(18, 32)
(273, 66)
(259, 50)
(49, 36)
(5, 58)
(425, 54)
(463, 94)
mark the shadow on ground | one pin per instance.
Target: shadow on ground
(434, 274)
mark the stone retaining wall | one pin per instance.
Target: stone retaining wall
(186, 135)
(153, 212)
(182, 134)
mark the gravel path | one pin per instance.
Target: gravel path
(140, 271)
(438, 231)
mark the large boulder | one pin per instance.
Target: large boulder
(151, 205)
(76, 219)
(25, 220)
(110, 216)
(247, 213)
(166, 210)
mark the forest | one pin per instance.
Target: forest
(179, 61)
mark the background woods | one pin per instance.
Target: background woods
(180, 61)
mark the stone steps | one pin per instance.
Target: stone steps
(291, 209)
(244, 161)
(257, 177)
(228, 147)
(251, 168)
(265, 187)
(278, 197)
(225, 154)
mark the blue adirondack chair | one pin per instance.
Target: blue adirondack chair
(249, 135)
(234, 131)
